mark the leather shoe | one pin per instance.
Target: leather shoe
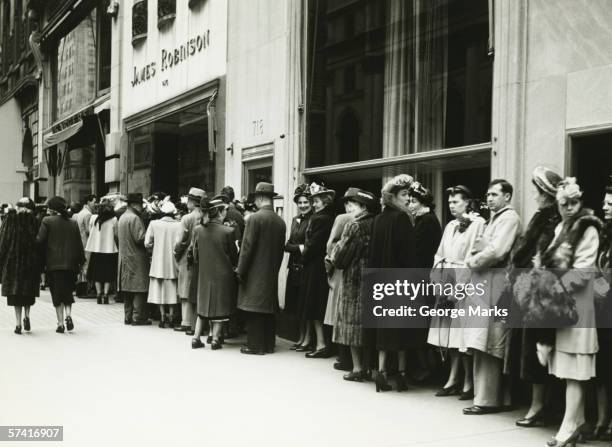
(127, 321)
(197, 343)
(190, 332)
(342, 366)
(303, 348)
(467, 395)
(323, 353)
(181, 328)
(247, 350)
(478, 410)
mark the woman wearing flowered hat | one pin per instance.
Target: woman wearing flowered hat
(316, 288)
(572, 358)
(160, 237)
(294, 297)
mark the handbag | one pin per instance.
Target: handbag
(442, 301)
(544, 300)
(81, 286)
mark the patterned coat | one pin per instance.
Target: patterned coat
(185, 272)
(133, 271)
(351, 255)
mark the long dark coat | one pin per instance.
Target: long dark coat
(133, 272)
(19, 255)
(217, 255)
(261, 255)
(316, 288)
(60, 240)
(294, 302)
(393, 245)
(428, 233)
(350, 255)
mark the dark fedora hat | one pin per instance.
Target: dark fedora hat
(360, 196)
(262, 189)
(301, 191)
(134, 197)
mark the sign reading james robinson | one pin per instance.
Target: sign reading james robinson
(172, 57)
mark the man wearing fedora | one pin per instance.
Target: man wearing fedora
(260, 259)
(133, 271)
(185, 273)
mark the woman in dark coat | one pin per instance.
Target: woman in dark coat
(428, 233)
(19, 260)
(60, 239)
(393, 246)
(294, 298)
(520, 357)
(350, 255)
(215, 247)
(316, 288)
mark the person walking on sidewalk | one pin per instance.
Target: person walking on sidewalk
(260, 259)
(133, 265)
(60, 240)
(161, 237)
(101, 246)
(19, 260)
(185, 271)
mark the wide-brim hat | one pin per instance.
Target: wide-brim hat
(319, 190)
(360, 196)
(397, 183)
(219, 201)
(546, 179)
(196, 194)
(134, 197)
(262, 189)
(301, 191)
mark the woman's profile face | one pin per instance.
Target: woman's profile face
(401, 199)
(414, 205)
(318, 204)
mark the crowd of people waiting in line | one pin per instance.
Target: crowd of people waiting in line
(218, 259)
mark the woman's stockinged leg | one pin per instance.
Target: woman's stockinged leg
(356, 355)
(574, 409)
(468, 372)
(453, 376)
(18, 310)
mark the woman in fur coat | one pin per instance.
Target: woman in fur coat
(20, 261)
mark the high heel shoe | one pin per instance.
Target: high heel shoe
(60, 329)
(354, 376)
(448, 391)
(17, 330)
(467, 395)
(381, 382)
(534, 421)
(26, 324)
(69, 323)
(105, 299)
(571, 441)
(401, 381)
(99, 299)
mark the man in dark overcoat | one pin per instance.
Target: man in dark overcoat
(260, 259)
(133, 271)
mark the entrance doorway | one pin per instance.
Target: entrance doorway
(591, 164)
(256, 171)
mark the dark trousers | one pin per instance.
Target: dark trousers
(261, 331)
(134, 306)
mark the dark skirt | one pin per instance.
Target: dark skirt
(61, 285)
(400, 339)
(316, 291)
(603, 364)
(294, 300)
(20, 300)
(102, 267)
(521, 358)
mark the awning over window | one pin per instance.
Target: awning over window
(63, 135)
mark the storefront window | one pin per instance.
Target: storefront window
(396, 77)
(76, 68)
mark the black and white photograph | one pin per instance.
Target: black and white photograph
(365, 223)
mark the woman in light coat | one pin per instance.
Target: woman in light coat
(572, 358)
(161, 237)
(103, 259)
(456, 244)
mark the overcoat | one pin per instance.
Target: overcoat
(215, 247)
(133, 272)
(294, 302)
(350, 255)
(481, 332)
(161, 236)
(19, 255)
(185, 273)
(428, 233)
(316, 288)
(261, 255)
(61, 241)
(392, 245)
(334, 274)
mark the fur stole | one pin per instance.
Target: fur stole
(537, 237)
(560, 255)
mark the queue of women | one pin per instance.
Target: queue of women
(211, 264)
